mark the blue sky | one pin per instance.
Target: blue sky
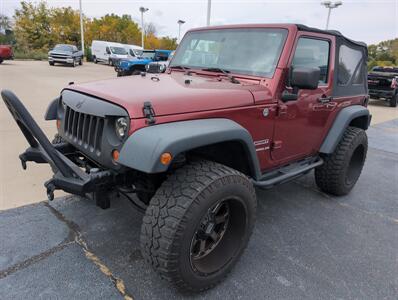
(370, 21)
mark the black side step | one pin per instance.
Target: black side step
(287, 173)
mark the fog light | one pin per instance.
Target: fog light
(165, 158)
(115, 155)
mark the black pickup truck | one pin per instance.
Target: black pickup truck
(383, 83)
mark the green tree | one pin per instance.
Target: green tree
(168, 43)
(65, 26)
(114, 28)
(33, 26)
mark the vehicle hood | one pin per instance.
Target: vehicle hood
(172, 94)
(134, 61)
(383, 74)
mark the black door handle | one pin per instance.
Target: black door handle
(325, 99)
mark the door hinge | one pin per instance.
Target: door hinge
(276, 145)
(281, 110)
(149, 113)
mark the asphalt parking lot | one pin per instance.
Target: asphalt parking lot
(306, 244)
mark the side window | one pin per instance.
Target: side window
(313, 53)
(350, 66)
(108, 51)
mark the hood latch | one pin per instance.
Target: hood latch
(149, 113)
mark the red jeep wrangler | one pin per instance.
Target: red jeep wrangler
(239, 107)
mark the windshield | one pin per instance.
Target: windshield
(135, 52)
(149, 55)
(250, 51)
(118, 50)
(63, 48)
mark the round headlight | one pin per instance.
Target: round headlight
(162, 68)
(121, 126)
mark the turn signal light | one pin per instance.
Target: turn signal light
(58, 124)
(165, 158)
(115, 155)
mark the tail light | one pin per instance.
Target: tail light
(394, 83)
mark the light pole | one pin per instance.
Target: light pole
(142, 10)
(330, 5)
(208, 12)
(180, 22)
(81, 26)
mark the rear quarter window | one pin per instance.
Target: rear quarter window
(349, 69)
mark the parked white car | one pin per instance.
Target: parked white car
(108, 52)
(133, 50)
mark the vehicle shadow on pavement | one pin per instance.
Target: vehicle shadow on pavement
(306, 244)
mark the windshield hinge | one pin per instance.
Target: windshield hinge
(149, 113)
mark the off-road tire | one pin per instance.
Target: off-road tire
(177, 209)
(393, 101)
(341, 169)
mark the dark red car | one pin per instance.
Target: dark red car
(6, 53)
(239, 107)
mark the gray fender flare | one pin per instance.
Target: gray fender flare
(142, 150)
(52, 110)
(342, 121)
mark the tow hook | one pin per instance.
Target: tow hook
(50, 190)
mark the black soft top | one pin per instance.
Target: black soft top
(336, 33)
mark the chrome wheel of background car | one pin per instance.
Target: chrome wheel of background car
(217, 238)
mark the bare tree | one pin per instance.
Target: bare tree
(5, 23)
(150, 29)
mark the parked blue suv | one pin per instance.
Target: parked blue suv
(136, 65)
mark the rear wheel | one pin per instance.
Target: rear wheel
(342, 168)
(393, 101)
(198, 224)
(95, 60)
(81, 61)
(1, 60)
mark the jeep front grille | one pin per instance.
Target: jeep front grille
(84, 129)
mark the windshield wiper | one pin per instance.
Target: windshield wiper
(225, 72)
(186, 69)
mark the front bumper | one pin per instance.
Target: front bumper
(61, 60)
(68, 176)
(381, 93)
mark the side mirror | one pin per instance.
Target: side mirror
(306, 78)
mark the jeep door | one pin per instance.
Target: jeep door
(300, 124)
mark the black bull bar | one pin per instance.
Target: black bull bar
(67, 175)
